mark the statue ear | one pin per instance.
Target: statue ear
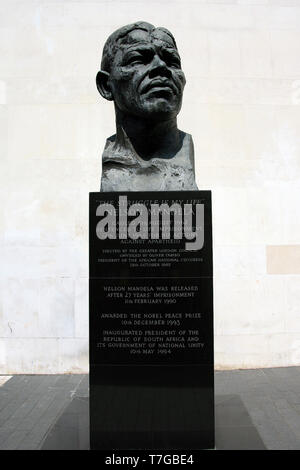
(103, 86)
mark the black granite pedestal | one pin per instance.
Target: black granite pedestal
(151, 322)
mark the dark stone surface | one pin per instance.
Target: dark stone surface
(141, 72)
(71, 431)
(234, 427)
(152, 407)
(150, 396)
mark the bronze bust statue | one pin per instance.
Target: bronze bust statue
(141, 72)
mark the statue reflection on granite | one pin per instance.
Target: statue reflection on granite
(141, 72)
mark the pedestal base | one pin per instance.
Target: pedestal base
(151, 407)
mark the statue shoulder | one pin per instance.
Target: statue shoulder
(186, 152)
(114, 154)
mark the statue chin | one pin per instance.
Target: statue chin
(154, 109)
(163, 106)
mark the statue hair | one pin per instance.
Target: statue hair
(117, 37)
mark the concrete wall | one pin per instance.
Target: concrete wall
(242, 105)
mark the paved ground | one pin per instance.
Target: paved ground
(255, 409)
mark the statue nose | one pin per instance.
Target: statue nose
(159, 68)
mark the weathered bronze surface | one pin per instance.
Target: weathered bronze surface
(141, 72)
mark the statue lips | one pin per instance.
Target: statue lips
(160, 85)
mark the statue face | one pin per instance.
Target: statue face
(146, 79)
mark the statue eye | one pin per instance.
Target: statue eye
(171, 59)
(135, 60)
(143, 57)
(174, 62)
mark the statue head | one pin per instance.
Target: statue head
(141, 72)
